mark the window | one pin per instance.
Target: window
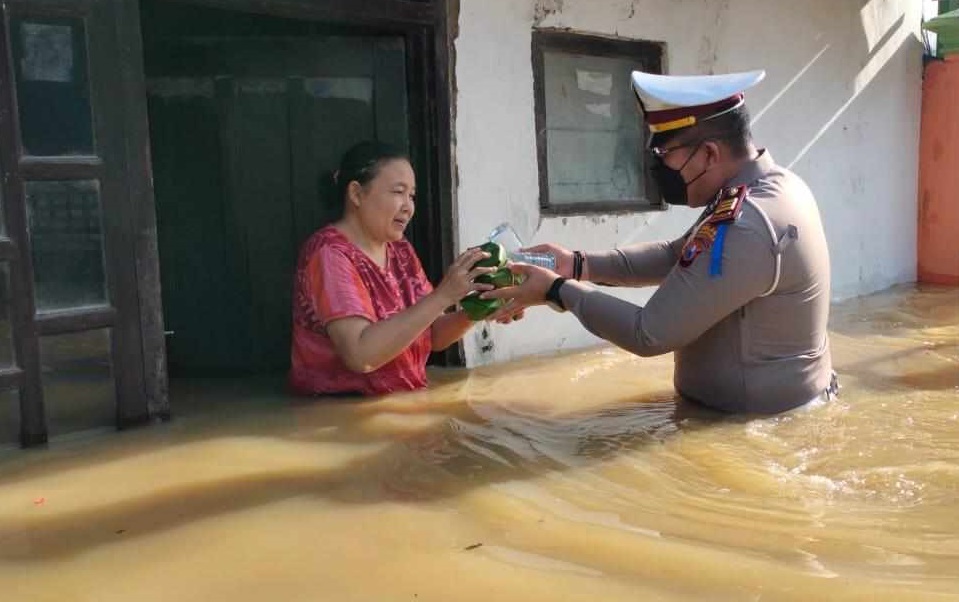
(53, 96)
(589, 133)
(66, 237)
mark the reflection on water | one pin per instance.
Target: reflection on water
(571, 478)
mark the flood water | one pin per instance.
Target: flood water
(577, 477)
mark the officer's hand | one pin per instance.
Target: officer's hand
(564, 258)
(536, 281)
(512, 314)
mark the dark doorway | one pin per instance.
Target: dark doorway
(249, 115)
(250, 104)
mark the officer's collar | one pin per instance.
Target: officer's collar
(752, 170)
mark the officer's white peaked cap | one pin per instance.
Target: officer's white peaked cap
(671, 102)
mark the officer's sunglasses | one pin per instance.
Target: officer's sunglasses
(660, 152)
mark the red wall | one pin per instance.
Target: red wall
(939, 174)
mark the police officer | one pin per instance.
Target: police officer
(743, 297)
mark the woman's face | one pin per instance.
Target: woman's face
(385, 205)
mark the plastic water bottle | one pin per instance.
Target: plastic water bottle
(505, 235)
(543, 260)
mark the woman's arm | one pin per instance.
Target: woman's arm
(364, 345)
(449, 328)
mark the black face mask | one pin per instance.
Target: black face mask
(672, 186)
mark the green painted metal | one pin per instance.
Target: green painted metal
(946, 28)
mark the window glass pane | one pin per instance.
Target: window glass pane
(53, 92)
(594, 140)
(6, 326)
(78, 389)
(9, 418)
(67, 244)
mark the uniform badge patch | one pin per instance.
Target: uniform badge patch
(728, 206)
(701, 240)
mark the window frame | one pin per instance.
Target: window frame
(648, 55)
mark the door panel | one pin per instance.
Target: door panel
(78, 381)
(326, 126)
(258, 208)
(191, 221)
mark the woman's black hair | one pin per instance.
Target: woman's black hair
(362, 163)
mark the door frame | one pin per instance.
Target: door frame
(426, 25)
(107, 164)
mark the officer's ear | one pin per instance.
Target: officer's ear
(714, 152)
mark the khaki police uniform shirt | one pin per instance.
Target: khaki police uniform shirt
(749, 339)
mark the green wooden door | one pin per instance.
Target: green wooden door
(245, 131)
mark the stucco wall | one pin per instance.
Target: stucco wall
(840, 105)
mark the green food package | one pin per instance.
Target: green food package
(478, 309)
(499, 279)
(497, 258)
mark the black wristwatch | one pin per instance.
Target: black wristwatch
(552, 294)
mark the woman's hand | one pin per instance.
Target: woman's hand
(458, 281)
(564, 258)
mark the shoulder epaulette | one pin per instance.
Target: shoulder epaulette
(729, 204)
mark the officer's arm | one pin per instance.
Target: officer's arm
(641, 264)
(689, 302)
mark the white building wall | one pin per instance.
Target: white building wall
(840, 105)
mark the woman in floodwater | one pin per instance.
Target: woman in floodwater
(365, 317)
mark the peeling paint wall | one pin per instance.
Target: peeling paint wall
(544, 9)
(840, 106)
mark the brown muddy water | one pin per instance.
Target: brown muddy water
(577, 477)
